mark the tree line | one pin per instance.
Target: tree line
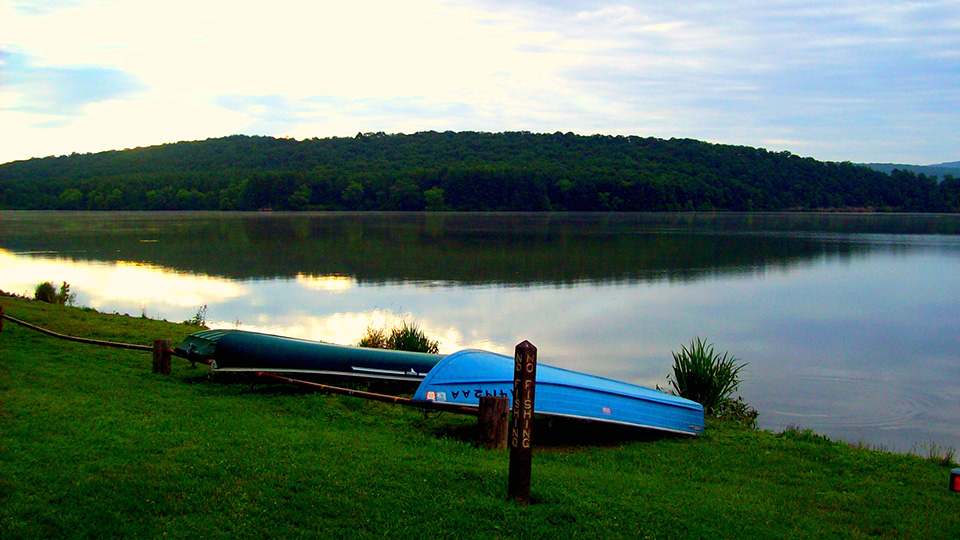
(465, 171)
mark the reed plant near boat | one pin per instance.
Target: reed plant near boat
(702, 375)
(401, 337)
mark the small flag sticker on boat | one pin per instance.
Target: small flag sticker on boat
(606, 410)
(431, 396)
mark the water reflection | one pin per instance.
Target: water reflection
(849, 326)
(508, 249)
(126, 287)
(326, 283)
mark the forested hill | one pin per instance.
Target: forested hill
(461, 171)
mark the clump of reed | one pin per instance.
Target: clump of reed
(403, 336)
(709, 378)
(943, 455)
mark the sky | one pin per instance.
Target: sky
(865, 81)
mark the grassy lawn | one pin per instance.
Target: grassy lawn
(94, 445)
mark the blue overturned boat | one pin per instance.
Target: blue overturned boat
(462, 378)
(454, 382)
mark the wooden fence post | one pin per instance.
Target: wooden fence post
(161, 356)
(521, 426)
(1, 318)
(492, 422)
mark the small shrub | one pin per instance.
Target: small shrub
(737, 410)
(65, 297)
(403, 337)
(795, 433)
(12, 295)
(701, 375)
(199, 319)
(46, 292)
(374, 338)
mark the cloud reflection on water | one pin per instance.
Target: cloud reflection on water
(124, 287)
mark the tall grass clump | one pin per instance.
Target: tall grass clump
(702, 375)
(945, 456)
(401, 337)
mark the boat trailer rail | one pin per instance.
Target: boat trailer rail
(373, 396)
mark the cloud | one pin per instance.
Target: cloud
(826, 76)
(60, 90)
(42, 7)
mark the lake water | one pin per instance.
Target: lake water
(849, 323)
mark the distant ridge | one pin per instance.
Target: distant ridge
(464, 171)
(939, 170)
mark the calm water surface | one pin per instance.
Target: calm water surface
(849, 323)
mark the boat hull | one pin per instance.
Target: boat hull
(464, 377)
(242, 351)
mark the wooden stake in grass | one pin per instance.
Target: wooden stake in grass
(521, 428)
(161, 356)
(492, 422)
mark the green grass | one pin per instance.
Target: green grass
(94, 445)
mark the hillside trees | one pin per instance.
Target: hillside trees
(517, 171)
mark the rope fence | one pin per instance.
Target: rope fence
(74, 338)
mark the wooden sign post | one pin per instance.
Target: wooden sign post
(521, 426)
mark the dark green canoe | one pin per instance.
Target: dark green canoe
(238, 351)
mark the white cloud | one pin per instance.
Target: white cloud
(61, 90)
